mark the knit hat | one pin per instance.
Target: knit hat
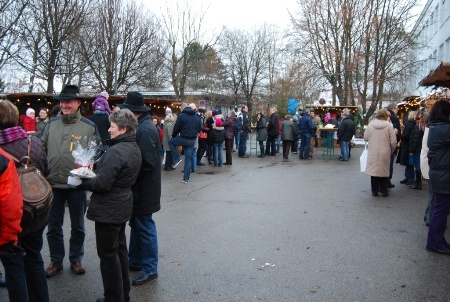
(168, 111)
(218, 122)
(215, 112)
(28, 112)
(105, 94)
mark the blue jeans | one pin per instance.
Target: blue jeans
(237, 138)
(409, 173)
(194, 160)
(143, 251)
(188, 145)
(304, 145)
(15, 277)
(277, 147)
(76, 200)
(344, 149)
(218, 156)
(417, 161)
(243, 136)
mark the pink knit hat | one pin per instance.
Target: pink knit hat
(219, 122)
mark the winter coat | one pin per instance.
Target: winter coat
(188, 124)
(101, 120)
(116, 171)
(424, 168)
(287, 128)
(273, 128)
(28, 123)
(168, 129)
(244, 121)
(346, 130)
(11, 201)
(382, 141)
(40, 124)
(396, 123)
(59, 138)
(262, 130)
(305, 124)
(230, 127)
(439, 157)
(415, 143)
(404, 143)
(147, 189)
(19, 149)
(296, 132)
(217, 135)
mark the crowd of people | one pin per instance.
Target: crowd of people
(127, 186)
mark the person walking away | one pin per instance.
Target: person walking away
(382, 141)
(230, 128)
(58, 138)
(305, 127)
(272, 131)
(287, 127)
(439, 162)
(101, 109)
(262, 135)
(243, 132)
(30, 267)
(185, 132)
(111, 203)
(218, 137)
(346, 131)
(143, 246)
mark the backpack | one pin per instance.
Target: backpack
(37, 194)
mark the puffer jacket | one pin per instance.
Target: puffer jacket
(439, 157)
(19, 149)
(116, 171)
(11, 201)
(59, 138)
(188, 124)
(262, 130)
(217, 134)
(287, 126)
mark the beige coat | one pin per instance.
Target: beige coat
(382, 141)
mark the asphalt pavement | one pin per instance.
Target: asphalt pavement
(265, 229)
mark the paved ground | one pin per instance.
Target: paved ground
(273, 230)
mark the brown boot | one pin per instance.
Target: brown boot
(77, 268)
(53, 269)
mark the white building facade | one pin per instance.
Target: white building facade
(433, 38)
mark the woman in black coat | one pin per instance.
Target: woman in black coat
(404, 148)
(439, 162)
(415, 146)
(111, 203)
(262, 132)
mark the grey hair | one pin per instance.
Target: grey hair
(125, 119)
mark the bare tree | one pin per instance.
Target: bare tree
(356, 44)
(11, 11)
(248, 54)
(182, 30)
(122, 47)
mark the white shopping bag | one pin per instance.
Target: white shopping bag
(164, 159)
(363, 159)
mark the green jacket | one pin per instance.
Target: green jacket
(58, 138)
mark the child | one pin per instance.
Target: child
(218, 136)
(28, 121)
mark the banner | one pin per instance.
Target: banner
(292, 106)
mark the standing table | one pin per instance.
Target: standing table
(327, 135)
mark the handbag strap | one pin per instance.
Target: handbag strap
(27, 157)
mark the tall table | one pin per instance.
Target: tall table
(327, 135)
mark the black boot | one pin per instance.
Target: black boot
(418, 184)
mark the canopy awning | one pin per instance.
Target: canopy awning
(440, 77)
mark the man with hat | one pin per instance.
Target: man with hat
(143, 251)
(58, 137)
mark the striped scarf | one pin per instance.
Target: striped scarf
(12, 134)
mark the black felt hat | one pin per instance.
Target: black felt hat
(69, 92)
(134, 102)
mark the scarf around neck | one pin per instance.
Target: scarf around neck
(12, 134)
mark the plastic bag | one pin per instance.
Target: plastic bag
(363, 159)
(84, 158)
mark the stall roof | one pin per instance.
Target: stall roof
(440, 77)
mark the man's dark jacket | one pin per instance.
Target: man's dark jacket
(272, 127)
(346, 130)
(188, 124)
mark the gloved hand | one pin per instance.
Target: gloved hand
(9, 248)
